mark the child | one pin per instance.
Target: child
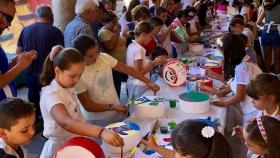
(17, 119)
(157, 52)
(189, 140)
(238, 73)
(262, 136)
(157, 24)
(100, 102)
(237, 26)
(59, 105)
(135, 57)
(265, 91)
(153, 8)
(164, 36)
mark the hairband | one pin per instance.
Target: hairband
(54, 51)
(261, 128)
(207, 132)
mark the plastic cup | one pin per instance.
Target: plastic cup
(172, 103)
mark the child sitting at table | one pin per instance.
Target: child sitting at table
(157, 52)
(265, 92)
(193, 139)
(59, 105)
(238, 73)
(136, 58)
(17, 119)
(262, 137)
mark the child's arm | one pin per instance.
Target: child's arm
(63, 118)
(125, 32)
(139, 64)
(167, 153)
(92, 106)
(236, 99)
(136, 74)
(163, 36)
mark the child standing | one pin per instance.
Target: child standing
(265, 92)
(238, 73)
(17, 119)
(193, 139)
(136, 58)
(59, 105)
(262, 137)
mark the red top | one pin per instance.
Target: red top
(150, 46)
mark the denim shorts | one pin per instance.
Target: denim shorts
(270, 39)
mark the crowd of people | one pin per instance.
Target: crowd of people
(74, 77)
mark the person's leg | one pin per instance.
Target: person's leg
(276, 51)
(117, 81)
(267, 58)
(34, 97)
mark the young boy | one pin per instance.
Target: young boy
(17, 119)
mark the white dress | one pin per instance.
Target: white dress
(244, 72)
(51, 95)
(97, 79)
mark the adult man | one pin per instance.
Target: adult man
(88, 13)
(9, 72)
(40, 36)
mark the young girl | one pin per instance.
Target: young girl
(59, 105)
(265, 92)
(262, 137)
(189, 140)
(135, 57)
(238, 73)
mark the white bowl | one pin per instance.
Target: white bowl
(148, 109)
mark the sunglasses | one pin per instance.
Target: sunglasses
(8, 17)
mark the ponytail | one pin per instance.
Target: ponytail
(61, 58)
(220, 147)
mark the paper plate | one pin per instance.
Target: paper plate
(80, 147)
(174, 73)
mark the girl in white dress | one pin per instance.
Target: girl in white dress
(59, 105)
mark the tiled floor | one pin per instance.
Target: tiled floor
(35, 147)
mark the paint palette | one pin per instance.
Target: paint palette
(175, 73)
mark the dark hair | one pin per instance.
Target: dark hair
(158, 51)
(44, 11)
(272, 129)
(83, 43)
(234, 52)
(239, 16)
(62, 60)
(180, 13)
(191, 9)
(264, 85)
(160, 10)
(188, 140)
(109, 17)
(140, 12)
(177, 1)
(235, 21)
(143, 27)
(156, 21)
(132, 4)
(5, 2)
(13, 109)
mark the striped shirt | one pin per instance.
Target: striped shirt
(76, 27)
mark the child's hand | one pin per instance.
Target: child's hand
(161, 60)
(121, 109)
(150, 142)
(112, 138)
(153, 87)
(237, 131)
